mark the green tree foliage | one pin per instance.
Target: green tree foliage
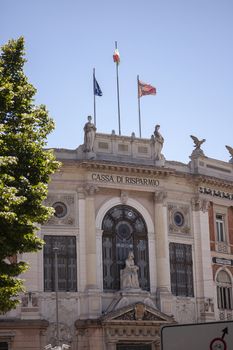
(25, 169)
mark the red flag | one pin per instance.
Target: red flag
(116, 56)
(145, 89)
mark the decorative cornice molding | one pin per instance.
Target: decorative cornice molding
(93, 165)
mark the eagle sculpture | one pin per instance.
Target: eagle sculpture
(230, 149)
(197, 142)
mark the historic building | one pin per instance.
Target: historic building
(137, 241)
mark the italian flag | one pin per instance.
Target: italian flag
(116, 56)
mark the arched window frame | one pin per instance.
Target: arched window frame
(124, 229)
(224, 291)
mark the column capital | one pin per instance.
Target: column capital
(200, 204)
(88, 189)
(160, 196)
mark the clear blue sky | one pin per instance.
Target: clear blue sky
(183, 47)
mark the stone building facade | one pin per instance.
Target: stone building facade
(120, 196)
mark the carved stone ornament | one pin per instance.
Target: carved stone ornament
(64, 206)
(185, 311)
(124, 197)
(90, 189)
(160, 196)
(197, 152)
(138, 311)
(179, 219)
(200, 204)
(65, 334)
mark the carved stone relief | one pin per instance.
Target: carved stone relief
(160, 196)
(185, 311)
(64, 205)
(124, 197)
(200, 204)
(90, 189)
(179, 219)
(66, 334)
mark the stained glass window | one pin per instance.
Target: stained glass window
(124, 229)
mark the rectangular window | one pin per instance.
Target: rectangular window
(221, 237)
(66, 263)
(224, 295)
(181, 269)
(3, 346)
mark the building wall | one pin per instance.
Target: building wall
(88, 189)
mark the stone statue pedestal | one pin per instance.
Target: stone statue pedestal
(160, 162)
(90, 155)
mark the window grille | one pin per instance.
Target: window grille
(181, 269)
(66, 261)
(224, 291)
(124, 229)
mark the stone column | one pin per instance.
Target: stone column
(99, 234)
(81, 254)
(90, 233)
(203, 275)
(162, 253)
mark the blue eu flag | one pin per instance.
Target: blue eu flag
(97, 89)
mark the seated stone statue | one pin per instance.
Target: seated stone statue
(129, 275)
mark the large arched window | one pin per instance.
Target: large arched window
(124, 229)
(224, 290)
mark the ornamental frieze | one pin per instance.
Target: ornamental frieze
(216, 193)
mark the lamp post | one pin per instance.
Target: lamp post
(56, 249)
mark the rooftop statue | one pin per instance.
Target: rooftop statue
(89, 135)
(197, 144)
(230, 149)
(159, 140)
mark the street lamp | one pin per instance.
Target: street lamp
(56, 249)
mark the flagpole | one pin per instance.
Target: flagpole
(94, 96)
(118, 94)
(139, 110)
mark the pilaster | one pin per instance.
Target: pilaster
(162, 253)
(90, 233)
(203, 271)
